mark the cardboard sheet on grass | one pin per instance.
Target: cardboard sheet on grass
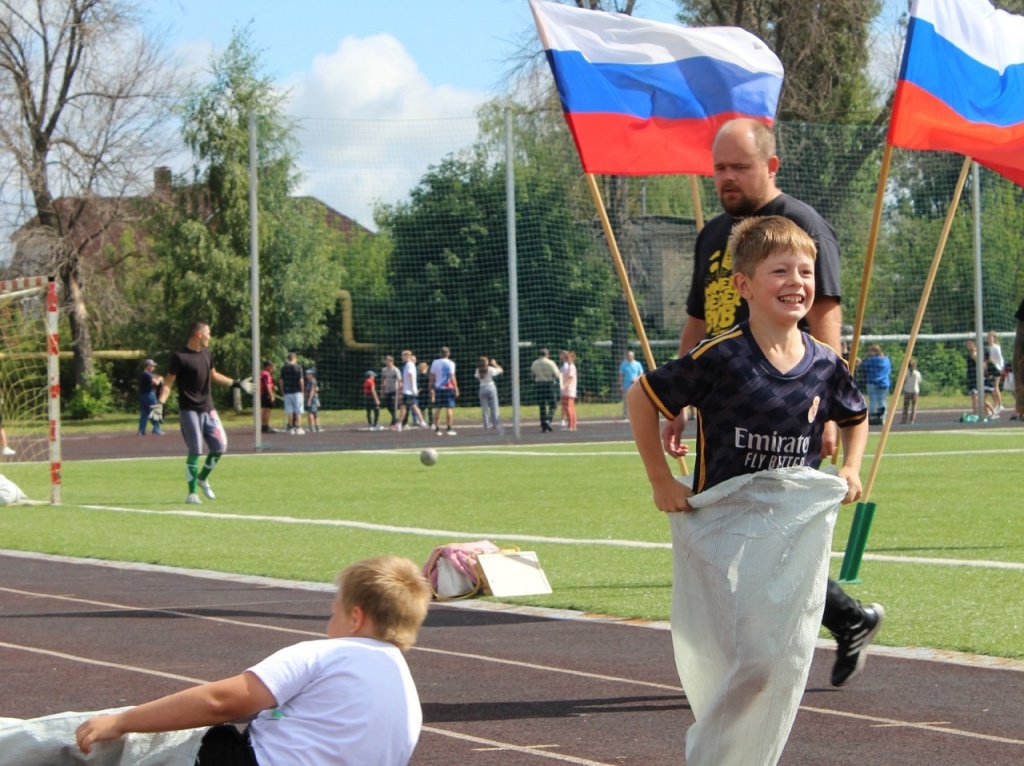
(514, 573)
(750, 565)
(51, 741)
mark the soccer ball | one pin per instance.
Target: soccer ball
(428, 456)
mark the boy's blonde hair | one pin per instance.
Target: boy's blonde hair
(753, 239)
(392, 592)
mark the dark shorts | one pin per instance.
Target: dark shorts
(444, 397)
(225, 745)
(409, 400)
(266, 402)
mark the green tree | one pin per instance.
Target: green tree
(458, 276)
(204, 241)
(84, 94)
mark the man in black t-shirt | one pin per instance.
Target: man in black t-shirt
(745, 167)
(293, 393)
(191, 372)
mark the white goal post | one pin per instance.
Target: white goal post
(30, 384)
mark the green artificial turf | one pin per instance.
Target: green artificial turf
(944, 496)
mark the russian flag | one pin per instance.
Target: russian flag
(644, 97)
(961, 84)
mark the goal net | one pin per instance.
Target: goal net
(30, 387)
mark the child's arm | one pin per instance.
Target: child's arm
(206, 705)
(855, 440)
(669, 494)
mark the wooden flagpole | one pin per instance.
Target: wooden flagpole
(865, 510)
(620, 269)
(865, 276)
(869, 256)
(890, 414)
(698, 213)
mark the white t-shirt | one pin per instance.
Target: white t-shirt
(912, 383)
(995, 355)
(569, 380)
(443, 371)
(341, 702)
(487, 378)
(409, 379)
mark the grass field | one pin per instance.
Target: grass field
(949, 515)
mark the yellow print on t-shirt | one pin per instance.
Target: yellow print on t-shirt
(720, 296)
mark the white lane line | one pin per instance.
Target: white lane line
(918, 653)
(608, 542)
(920, 726)
(495, 745)
(101, 663)
(173, 612)
(877, 720)
(550, 669)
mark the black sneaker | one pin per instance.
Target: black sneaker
(851, 646)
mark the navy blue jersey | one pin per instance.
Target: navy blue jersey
(750, 416)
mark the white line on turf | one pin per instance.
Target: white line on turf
(609, 542)
(551, 451)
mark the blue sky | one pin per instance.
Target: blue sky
(417, 65)
(464, 44)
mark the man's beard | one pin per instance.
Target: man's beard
(740, 208)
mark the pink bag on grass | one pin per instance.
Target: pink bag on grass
(452, 569)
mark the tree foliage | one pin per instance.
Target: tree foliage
(461, 270)
(204, 243)
(83, 99)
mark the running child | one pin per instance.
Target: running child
(751, 563)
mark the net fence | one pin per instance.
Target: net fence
(24, 390)
(426, 254)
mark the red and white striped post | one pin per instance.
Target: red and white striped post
(53, 373)
(22, 283)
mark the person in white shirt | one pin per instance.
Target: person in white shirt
(486, 371)
(911, 389)
(444, 389)
(410, 392)
(345, 700)
(569, 378)
(995, 369)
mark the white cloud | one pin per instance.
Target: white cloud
(372, 123)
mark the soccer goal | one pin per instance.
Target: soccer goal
(30, 387)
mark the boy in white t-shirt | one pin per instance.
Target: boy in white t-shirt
(345, 700)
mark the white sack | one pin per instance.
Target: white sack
(10, 492)
(51, 741)
(750, 565)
